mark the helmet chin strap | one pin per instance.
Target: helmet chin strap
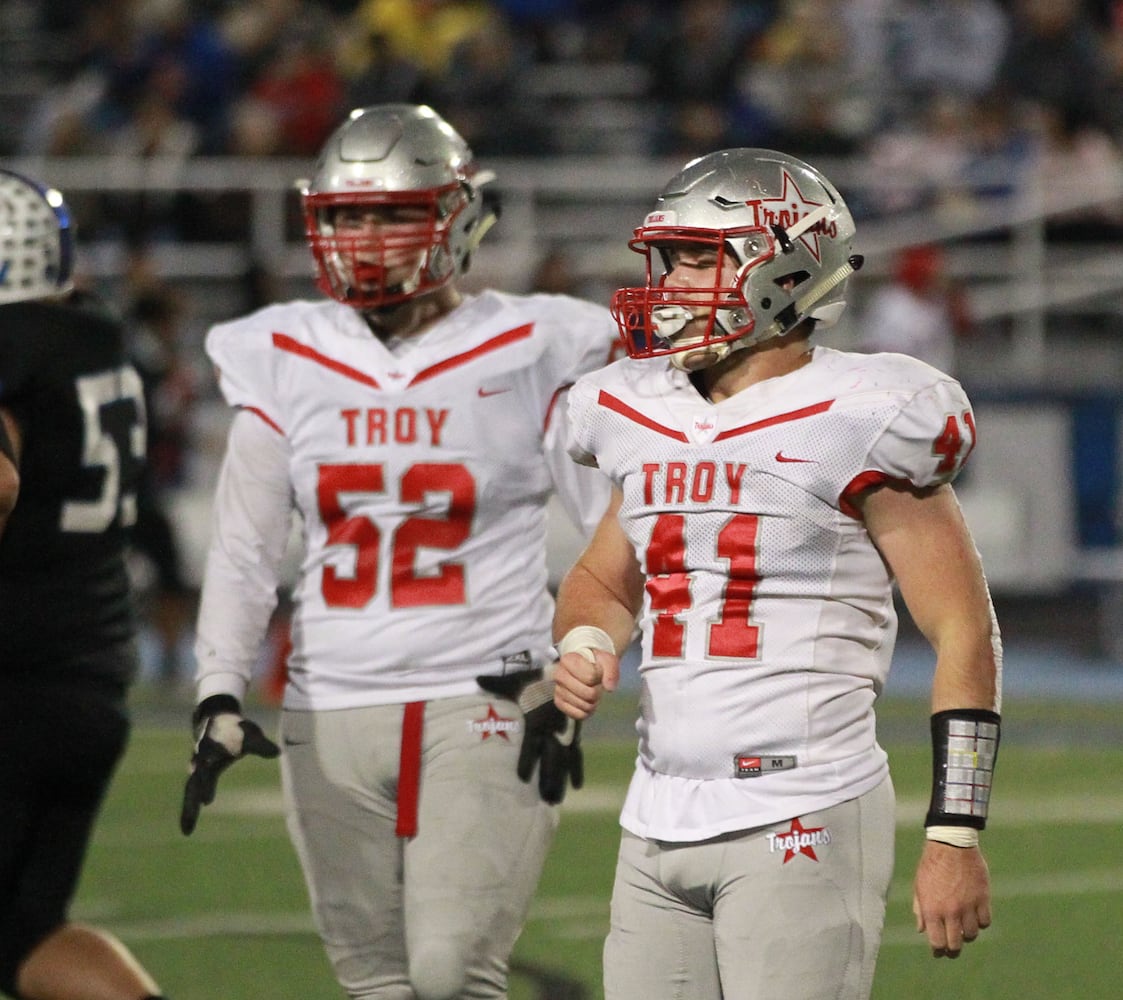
(695, 352)
(482, 227)
(703, 357)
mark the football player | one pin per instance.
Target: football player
(417, 430)
(768, 494)
(74, 416)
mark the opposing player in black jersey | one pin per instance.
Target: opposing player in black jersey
(74, 415)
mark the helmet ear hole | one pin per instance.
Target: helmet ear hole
(793, 279)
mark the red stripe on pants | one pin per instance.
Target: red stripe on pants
(409, 769)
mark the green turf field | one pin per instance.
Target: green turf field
(223, 914)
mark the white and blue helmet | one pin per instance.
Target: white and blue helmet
(36, 240)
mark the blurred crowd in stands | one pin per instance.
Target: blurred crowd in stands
(271, 77)
(959, 93)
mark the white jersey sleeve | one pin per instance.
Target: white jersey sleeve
(580, 423)
(585, 341)
(916, 424)
(582, 491)
(242, 353)
(586, 345)
(929, 437)
(250, 529)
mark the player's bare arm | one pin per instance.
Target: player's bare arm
(924, 539)
(603, 590)
(9, 466)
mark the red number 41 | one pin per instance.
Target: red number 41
(668, 586)
(949, 443)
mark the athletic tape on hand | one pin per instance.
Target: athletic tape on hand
(584, 639)
(956, 836)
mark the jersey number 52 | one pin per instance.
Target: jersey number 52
(407, 588)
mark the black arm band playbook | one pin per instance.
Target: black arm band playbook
(964, 748)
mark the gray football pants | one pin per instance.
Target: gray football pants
(433, 916)
(792, 911)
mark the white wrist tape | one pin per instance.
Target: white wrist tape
(957, 836)
(584, 639)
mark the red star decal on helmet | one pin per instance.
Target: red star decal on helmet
(787, 210)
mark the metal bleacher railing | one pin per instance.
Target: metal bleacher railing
(592, 203)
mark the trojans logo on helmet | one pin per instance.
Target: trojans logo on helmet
(773, 225)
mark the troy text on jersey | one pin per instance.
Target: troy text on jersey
(376, 425)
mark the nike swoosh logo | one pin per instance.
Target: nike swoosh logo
(484, 393)
(781, 457)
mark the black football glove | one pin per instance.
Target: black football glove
(551, 739)
(222, 736)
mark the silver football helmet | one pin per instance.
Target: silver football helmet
(36, 240)
(409, 167)
(786, 231)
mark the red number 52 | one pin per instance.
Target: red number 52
(447, 531)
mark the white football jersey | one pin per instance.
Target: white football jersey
(768, 621)
(421, 479)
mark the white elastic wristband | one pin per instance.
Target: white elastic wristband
(584, 639)
(956, 836)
